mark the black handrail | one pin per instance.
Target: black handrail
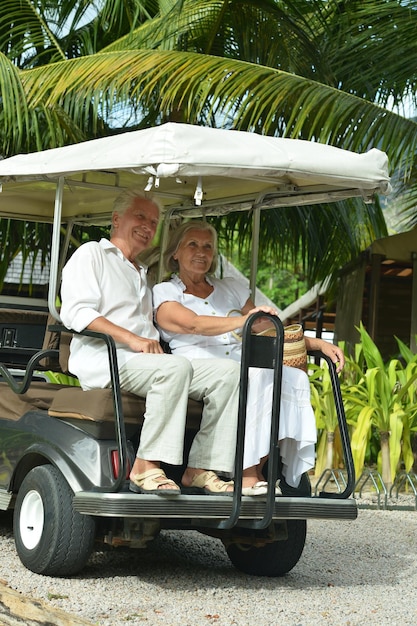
(117, 403)
(257, 351)
(24, 383)
(267, 352)
(343, 429)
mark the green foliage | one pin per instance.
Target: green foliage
(326, 417)
(380, 401)
(34, 239)
(57, 378)
(281, 284)
(381, 398)
(25, 237)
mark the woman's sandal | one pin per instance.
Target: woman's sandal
(210, 484)
(260, 489)
(148, 483)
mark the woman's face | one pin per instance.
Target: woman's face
(195, 252)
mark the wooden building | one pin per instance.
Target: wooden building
(380, 289)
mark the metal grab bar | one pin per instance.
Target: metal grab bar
(343, 429)
(257, 351)
(266, 352)
(23, 385)
(117, 403)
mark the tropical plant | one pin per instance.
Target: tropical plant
(410, 360)
(32, 240)
(384, 398)
(58, 378)
(324, 407)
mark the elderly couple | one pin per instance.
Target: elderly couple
(104, 289)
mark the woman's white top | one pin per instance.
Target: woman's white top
(227, 295)
(297, 428)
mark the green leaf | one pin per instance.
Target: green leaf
(360, 438)
(372, 354)
(396, 432)
(407, 354)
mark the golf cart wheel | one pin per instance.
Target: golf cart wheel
(273, 559)
(51, 538)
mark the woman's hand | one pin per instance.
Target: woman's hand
(262, 323)
(329, 349)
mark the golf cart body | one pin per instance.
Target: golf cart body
(66, 453)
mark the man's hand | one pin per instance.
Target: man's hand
(122, 335)
(141, 344)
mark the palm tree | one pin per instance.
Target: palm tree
(33, 35)
(322, 71)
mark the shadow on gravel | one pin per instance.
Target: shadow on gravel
(375, 549)
(181, 560)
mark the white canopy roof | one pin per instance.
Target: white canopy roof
(184, 166)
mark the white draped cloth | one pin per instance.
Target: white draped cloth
(297, 429)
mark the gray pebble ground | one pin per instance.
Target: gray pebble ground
(351, 573)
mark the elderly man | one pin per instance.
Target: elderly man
(104, 289)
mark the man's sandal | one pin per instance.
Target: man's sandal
(148, 483)
(210, 484)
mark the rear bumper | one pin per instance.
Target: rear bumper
(203, 509)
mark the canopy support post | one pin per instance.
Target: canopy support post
(256, 220)
(56, 233)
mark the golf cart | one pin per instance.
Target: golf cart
(66, 452)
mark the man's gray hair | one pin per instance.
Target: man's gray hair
(125, 200)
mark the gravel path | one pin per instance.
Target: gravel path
(351, 573)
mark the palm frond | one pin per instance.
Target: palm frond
(255, 97)
(322, 238)
(322, 71)
(25, 32)
(28, 127)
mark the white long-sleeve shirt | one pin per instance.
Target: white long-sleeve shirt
(99, 281)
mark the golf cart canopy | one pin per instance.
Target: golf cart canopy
(193, 170)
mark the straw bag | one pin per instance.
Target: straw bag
(295, 352)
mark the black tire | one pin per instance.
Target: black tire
(51, 538)
(273, 559)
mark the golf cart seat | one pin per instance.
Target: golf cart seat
(92, 410)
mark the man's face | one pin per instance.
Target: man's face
(136, 227)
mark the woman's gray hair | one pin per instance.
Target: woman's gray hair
(176, 238)
(125, 200)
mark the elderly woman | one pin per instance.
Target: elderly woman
(191, 311)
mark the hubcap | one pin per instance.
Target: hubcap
(31, 520)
